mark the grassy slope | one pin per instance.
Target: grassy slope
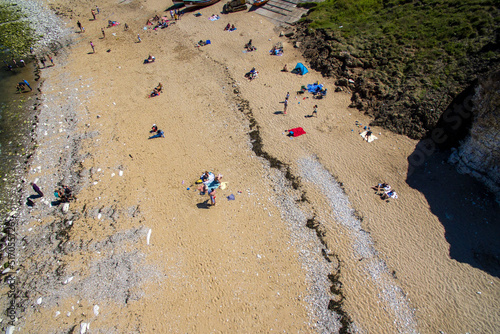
(432, 46)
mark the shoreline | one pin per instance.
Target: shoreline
(99, 150)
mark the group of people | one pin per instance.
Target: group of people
(175, 14)
(230, 27)
(210, 183)
(252, 74)
(386, 192)
(64, 194)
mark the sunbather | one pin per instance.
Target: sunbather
(389, 194)
(158, 134)
(227, 27)
(382, 186)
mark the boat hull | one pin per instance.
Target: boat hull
(258, 3)
(195, 3)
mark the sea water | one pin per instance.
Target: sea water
(16, 123)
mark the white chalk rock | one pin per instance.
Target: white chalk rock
(84, 326)
(120, 173)
(96, 310)
(112, 174)
(10, 330)
(65, 207)
(149, 236)
(69, 279)
(99, 216)
(57, 313)
(39, 301)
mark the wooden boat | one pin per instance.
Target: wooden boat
(198, 3)
(258, 3)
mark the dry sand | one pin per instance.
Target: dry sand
(244, 266)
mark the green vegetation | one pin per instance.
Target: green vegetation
(424, 30)
(410, 58)
(16, 37)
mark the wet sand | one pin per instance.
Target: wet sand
(306, 246)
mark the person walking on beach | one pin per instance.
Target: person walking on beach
(103, 34)
(42, 60)
(286, 105)
(37, 189)
(315, 111)
(126, 27)
(171, 14)
(93, 48)
(51, 60)
(287, 95)
(97, 9)
(138, 38)
(93, 14)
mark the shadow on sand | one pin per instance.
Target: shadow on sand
(467, 211)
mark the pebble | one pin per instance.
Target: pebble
(69, 279)
(96, 310)
(39, 301)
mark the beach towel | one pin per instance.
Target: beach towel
(214, 18)
(230, 197)
(314, 88)
(295, 132)
(370, 138)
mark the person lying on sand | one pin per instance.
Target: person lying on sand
(150, 59)
(227, 27)
(382, 187)
(159, 134)
(389, 194)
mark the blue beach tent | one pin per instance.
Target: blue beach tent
(300, 69)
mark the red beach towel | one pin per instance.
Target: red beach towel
(297, 132)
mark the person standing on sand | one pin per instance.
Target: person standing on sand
(126, 27)
(93, 14)
(42, 60)
(286, 105)
(287, 96)
(37, 189)
(138, 38)
(92, 45)
(78, 23)
(103, 34)
(97, 9)
(315, 111)
(51, 60)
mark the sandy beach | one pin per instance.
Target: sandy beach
(305, 246)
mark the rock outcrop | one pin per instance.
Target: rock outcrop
(479, 154)
(403, 93)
